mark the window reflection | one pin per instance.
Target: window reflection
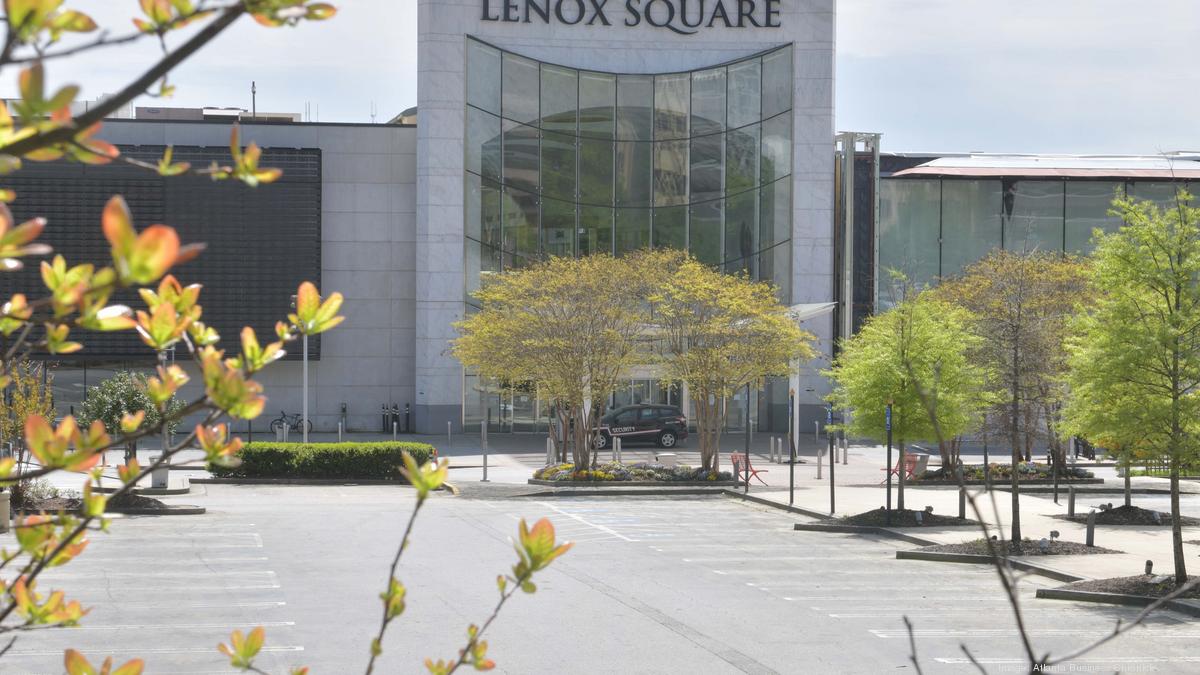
(561, 161)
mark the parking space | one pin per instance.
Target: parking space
(654, 585)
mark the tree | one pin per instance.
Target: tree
(119, 399)
(718, 333)
(1136, 356)
(1020, 305)
(569, 325)
(919, 348)
(29, 395)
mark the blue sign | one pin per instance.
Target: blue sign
(829, 414)
(888, 416)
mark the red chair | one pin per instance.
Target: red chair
(910, 468)
(741, 464)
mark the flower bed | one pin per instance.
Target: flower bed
(1000, 472)
(640, 472)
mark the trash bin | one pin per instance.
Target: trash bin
(5, 510)
(158, 477)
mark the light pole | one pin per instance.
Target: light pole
(304, 387)
(747, 438)
(888, 466)
(792, 447)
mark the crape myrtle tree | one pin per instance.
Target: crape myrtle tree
(76, 303)
(1136, 355)
(572, 326)
(915, 358)
(718, 333)
(1019, 306)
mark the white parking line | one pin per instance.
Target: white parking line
(180, 626)
(568, 514)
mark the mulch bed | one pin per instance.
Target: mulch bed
(905, 518)
(1130, 515)
(129, 501)
(1028, 548)
(1152, 586)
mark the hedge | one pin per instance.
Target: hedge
(375, 461)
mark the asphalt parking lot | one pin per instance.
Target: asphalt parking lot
(654, 585)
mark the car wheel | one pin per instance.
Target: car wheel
(601, 441)
(667, 439)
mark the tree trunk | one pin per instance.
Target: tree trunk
(1181, 576)
(1015, 535)
(900, 474)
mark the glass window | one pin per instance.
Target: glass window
(741, 159)
(597, 102)
(741, 224)
(1162, 194)
(671, 103)
(483, 143)
(558, 228)
(670, 228)
(521, 87)
(745, 93)
(521, 156)
(708, 102)
(635, 105)
(776, 148)
(670, 173)
(970, 222)
(483, 76)
(595, 230)
(633, 173)
(491, 216)
(704, 231)
(632, 230)
(521, 216)
(595, 171)
(1088, 204)
(909, 217)
(560, 99)
(708, 167)
(1033, 214)
(777, 82)
(558, 166)
(482, 262)
(775, 213)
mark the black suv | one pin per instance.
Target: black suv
(663, 425)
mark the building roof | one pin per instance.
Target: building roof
(1172, 166)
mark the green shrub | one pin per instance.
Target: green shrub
(377, 461)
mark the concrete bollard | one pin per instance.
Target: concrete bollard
(617, 448)
(820, 458)
(448, 437)
(1071, 502)
(1149, 567)
(845, 451)
(549, 451)
(341, 428)
(5, 511)
(816, 431)
(483, 446)
(1091, 529)
(395, 430)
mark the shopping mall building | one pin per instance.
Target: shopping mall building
(566, 127)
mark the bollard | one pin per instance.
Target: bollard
(816, 431)
(820, 460)
(484, 447)
(845, 451)
(340, 428)
(549, 451)
(1091, 529)
(286, 429)
(1071, 502)
(617, 447)
(448, 439)
(1149, 567)
(394, 425)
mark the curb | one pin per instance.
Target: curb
(451, 488)
(181, 510)
(150, 492)
(1116, 599)
(618, 484)
(976, 559)
(661, 492)
(774, 504)
(864, 529)
(296, 481)
(1001, 484)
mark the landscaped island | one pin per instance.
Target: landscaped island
(640, 472)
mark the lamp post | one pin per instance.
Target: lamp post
(303, 382)
(792, 447)
(888, 466)
(747, 439)
(832, 453)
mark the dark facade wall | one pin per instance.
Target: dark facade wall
(261, 242)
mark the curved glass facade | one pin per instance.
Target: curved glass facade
(561, 161)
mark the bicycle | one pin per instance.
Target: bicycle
(291, 421)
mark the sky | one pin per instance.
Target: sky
(1045, 76)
